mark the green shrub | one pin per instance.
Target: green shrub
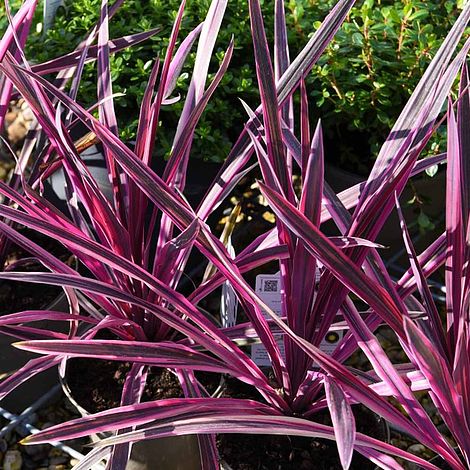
(358, 87)
(371, 69)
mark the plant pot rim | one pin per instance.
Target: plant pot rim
(224, 465)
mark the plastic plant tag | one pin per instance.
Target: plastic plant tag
(50, 9)
(268, 288)
(228, 301)
(228, 305)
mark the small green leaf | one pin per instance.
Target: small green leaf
(357, 39)
(424, 222)
(432, 170)
(419, 15)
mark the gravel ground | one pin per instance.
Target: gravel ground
(15, 456)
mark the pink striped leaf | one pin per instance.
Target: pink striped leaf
(344, 424)
(163, 354)
(72, 58)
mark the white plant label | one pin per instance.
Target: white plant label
(50, 9)
(229, 300)
(268, 288)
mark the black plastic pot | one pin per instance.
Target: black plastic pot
(430, 190)
(251, 452)
(441, 463)
(171, 453)
(12, 359)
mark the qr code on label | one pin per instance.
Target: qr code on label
(270, 286)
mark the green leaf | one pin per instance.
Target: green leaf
(357, 39)
(432, 170)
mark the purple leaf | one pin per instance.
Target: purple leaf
(454, 228)
(303, 63)
(20, 34)
(436, 331)
(206, 44)
(208, 415)
(341, 266)
(386, 371)
(181, 144)
(177, 63)
(39, 315)
(30, 369)
(271, 115)
(134, 415)
(304, 128)
(281, 63)
(281, 45)
(463, 117)
(436, 370)
(164, 354)
(304, 265)
(72, 58)
(342, 417)
(131, 394)
(147, 145)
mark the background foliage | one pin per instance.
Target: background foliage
(359, 86)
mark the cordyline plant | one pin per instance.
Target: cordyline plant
(33, 153)
(135, 285)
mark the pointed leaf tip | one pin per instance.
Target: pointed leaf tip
(344, 423)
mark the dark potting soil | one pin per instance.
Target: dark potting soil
(16, 296)
(96, 385)
(270, 452)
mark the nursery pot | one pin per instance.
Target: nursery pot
(430, 190)
(292, 453)
(12, 359)
(255, 451)
(439, 462)
(170, 453)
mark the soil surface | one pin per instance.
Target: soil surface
(97, 385)
(269, 452)
(17, 296)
